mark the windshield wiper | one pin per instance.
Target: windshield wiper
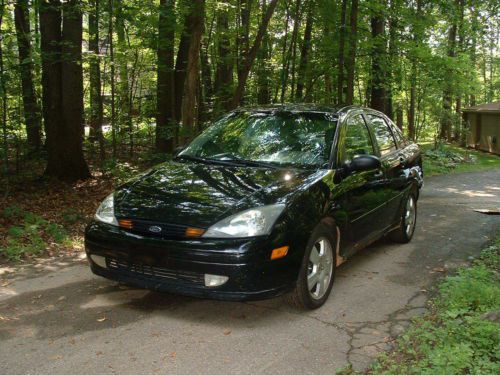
(191, 158)
(234, 159)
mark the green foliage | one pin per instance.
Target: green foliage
(414, 48)
(30, 235)
(120, 171)
(447, 158)
(458, 336)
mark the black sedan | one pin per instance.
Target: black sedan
(266, 201)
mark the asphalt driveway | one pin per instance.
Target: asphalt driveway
(57, 318)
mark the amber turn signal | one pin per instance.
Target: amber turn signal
(280, 252)
(194, 232)
(124, 223)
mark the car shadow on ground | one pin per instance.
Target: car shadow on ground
(96, 304)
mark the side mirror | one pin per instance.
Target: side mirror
(363, 163)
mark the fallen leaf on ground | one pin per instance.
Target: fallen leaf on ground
(439, 269)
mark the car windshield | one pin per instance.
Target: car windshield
(276, 138)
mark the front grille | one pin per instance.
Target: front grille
(155, 229)
(159, 273)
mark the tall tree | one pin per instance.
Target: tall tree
(181, 61)
(341, 53)
(351, 57)
(165, 111)
(3, 92)
(251, 55)
(224, 68)
(378, 55)
(243, 35)
(31, 107)
(192, 71)
(446, 117)
(304, 51)
(96, 105)
(290, 56)
(263, 70)
(111, 12)
(123, 60)
(61, 43)
(416, 29)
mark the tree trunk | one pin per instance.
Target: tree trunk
(392, 61)
(123, 84)
(205, 90)
(263, 71)
(399, 117)
(342, 33)
(446, 117)
(224, 70)
(351, 58)
(62, 74)
(416, 30)
(252, 53)
(243, 32)
(181, 62)
(165, 112)
(304, 52)
(284, 55)
(31, 108)
(112, 74)
(457, 131)
(96, 105)
(192, 71)
(292, 53)
(413, 100)
(4, 98)
(378, 93)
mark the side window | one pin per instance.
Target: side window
(358, 140)
(383, 135)
(400, 140)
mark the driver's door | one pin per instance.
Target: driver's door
(362, 192)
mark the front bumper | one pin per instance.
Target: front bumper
(178, 266)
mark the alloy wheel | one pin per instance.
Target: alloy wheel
(320, 268)
(410, 216)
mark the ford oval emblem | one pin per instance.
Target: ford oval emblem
(155, 229)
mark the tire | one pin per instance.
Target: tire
(323, 243)
(404, 233)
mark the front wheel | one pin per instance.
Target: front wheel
(317, 271)
(404, 233)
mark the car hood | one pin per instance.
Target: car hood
(200, 194)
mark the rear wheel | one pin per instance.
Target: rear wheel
(404, 233)
(317, 271)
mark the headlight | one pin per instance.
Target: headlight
(106, 211)
(254, 222)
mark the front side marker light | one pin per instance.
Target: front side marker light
(215, 280)
(125, 223)
(194, 232)
(280, 252)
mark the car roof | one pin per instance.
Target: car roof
(299, 107)
(306, 107)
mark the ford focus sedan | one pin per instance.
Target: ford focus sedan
(266, 201)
